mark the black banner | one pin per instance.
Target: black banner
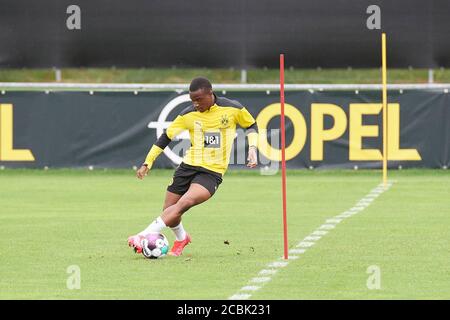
(233, 33)
(331, 129)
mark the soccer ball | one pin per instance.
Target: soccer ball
(154, 245)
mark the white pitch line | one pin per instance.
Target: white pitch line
(278, 264)
(240, 297)
(320, 232)
(308, 242)
(362, 204)
(343, 216)
(333, 221)
(260, 279)
(267, 271)
(250, 288)
(357, 208)
(312, 238)
(327, 226)
(305, 244)
(297, 251)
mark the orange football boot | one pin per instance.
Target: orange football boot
(135, 242)
(178, 246)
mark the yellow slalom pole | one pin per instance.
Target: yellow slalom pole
(384, 76)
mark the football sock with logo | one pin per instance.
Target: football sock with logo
(179, 231)
(155, 227)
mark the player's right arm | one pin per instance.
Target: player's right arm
(163, 141)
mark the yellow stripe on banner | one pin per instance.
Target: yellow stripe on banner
(384, 76)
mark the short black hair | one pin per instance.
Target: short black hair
(200, 83)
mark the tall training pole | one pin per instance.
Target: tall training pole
(283, 156)
(385, 106)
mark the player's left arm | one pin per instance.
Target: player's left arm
(246, 120)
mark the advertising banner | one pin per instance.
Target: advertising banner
(324, 129)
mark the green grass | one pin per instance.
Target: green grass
(176, 75)
(53, 219)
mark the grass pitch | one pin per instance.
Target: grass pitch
(259, 75)
(51, 220)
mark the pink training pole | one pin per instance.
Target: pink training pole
(283, 156)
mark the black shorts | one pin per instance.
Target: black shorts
(186, 174)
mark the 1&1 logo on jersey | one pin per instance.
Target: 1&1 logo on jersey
(212, 139)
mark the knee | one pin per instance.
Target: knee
(185, 204)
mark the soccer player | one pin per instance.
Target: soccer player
(211, 122)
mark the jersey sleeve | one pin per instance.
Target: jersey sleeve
(163, 141)
(244, 118)
(176, 127)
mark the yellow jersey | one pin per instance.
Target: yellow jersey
(211, 132)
